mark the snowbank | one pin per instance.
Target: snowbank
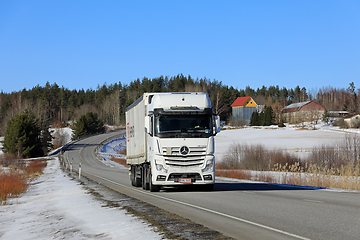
(113, 149)
(66, 132)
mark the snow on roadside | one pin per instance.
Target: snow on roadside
(56, 207)
(283, 175)
(112, 149)
(67, 132)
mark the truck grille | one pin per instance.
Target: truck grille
(195, 157)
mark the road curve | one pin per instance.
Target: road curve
(238, 210)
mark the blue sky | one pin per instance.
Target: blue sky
(83, 44)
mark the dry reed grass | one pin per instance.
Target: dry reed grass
(8, 159)
(35, 168)
(15, 182)
(332, 166)
(345, 177)
(119, 161)
(11, 184)
(122, 151)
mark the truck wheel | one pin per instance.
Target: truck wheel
(137, 181)
(152, 187)
(145, 184)
(132, 176)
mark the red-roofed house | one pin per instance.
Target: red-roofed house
(243, 107)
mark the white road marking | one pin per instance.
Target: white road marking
(249, 192)
(314, 201)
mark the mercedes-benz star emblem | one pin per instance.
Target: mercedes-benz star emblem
(184, 150)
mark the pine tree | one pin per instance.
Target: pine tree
(88, 124)
(23, 136)
(46, 138)
(262, 118)
(255, 120)
(268, 116)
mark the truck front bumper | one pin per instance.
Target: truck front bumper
(181, 178)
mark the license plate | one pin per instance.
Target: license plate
(184, 180)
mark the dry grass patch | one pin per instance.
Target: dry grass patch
(15, 181)
(238, 173)
(35, 168)
(345, 177)
(332, 166)
(122, 151)
(119, 161)
(11, 184)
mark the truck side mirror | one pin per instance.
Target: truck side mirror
(217, 124)
(147, 125)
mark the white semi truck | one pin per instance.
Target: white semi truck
(170, 140)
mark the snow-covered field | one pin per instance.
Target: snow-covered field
(57, 207)
(290, 138)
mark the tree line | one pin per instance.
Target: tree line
(55, 105)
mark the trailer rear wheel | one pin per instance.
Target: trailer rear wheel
(145, 172)
(136, 182)
(132, 176)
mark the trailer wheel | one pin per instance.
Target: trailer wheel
(152, 187)
(145, 183)
(136, 182)
(132, 176)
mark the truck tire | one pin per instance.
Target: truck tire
(145, 183)
(152, 187)
(132, 176)
(136, 182)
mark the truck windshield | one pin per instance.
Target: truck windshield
(181, 125)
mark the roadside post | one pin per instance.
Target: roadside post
(79, 170)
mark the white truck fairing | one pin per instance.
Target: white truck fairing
(170, 140)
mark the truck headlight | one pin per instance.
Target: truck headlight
(209, 165)
(160, 168)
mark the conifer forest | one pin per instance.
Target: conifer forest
(58, 106)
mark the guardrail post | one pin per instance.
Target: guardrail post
(79, 170)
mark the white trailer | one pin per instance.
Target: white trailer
(170, 140)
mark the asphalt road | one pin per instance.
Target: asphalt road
(238, 210)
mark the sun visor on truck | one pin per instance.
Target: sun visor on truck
(183, 110)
